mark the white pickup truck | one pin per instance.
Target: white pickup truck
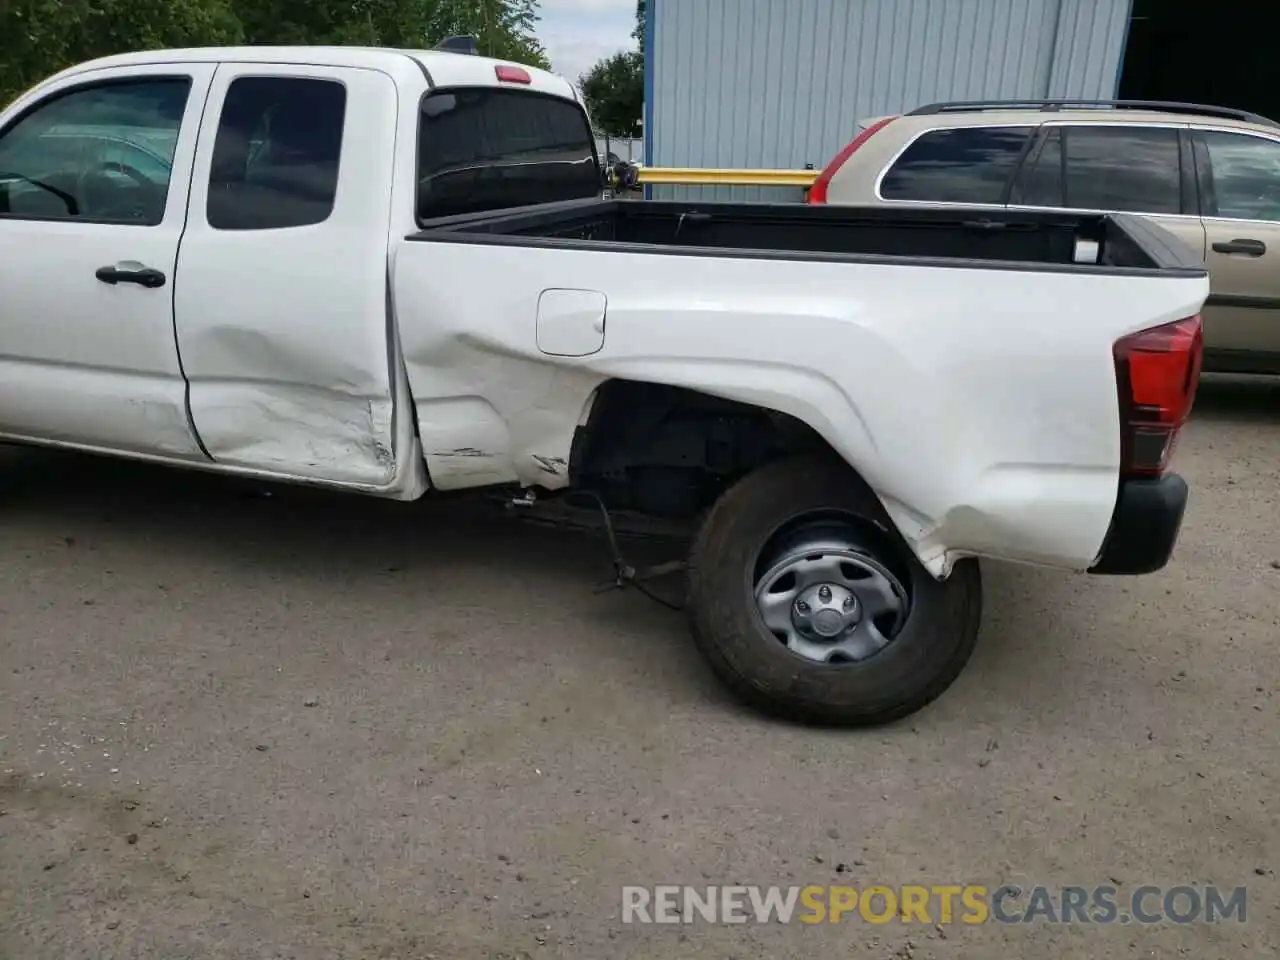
(392, 271)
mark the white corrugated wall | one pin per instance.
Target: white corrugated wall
(782, 83)
(1089, 48)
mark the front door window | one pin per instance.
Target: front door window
(101, 154)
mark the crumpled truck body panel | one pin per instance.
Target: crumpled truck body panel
(980, 404)
(286, 336)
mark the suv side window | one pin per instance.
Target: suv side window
(275, 158)
(490, 149)
(1124, 169)
(101, 154)
(1040, 181)
(1244, 176)
(959, 165)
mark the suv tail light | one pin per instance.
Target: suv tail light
(1157, 371)
(818, 192)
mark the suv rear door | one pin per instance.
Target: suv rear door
(1239, 181)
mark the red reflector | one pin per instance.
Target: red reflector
(818, 192)
(507, 74)
(1157, 371)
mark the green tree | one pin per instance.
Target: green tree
(614, 86)
(509, 32)
(40, 37)
(503, 28)
(614, 91)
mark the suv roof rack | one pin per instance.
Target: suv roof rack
(1167, 106)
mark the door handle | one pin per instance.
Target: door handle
(1250, 248)
(143, 276)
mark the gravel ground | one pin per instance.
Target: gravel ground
(296, 725)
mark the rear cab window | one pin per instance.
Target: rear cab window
(483, 148)
(964, 165)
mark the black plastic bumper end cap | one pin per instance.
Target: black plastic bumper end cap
(1144, 527)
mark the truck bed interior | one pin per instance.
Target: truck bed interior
(954, 236)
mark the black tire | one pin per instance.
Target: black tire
(921, 661)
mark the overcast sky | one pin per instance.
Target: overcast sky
(577, 33)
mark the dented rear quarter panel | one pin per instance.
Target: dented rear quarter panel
(980, 404)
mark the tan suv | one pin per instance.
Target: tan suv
(1208, 175)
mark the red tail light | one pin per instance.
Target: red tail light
(1157, 371)
(509, 74)
(818, 192)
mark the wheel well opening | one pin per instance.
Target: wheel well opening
(670, 452)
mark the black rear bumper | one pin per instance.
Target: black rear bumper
(1144, 527)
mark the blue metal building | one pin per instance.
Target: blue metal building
(782, 83)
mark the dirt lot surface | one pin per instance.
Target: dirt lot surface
(303, 726)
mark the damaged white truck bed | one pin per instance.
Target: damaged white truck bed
(389, 271)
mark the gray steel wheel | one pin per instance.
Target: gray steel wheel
(798, 525)
(826, 596)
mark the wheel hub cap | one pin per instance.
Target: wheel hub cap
(824, 611)
(827, 598)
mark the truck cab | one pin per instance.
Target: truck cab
(264, 180)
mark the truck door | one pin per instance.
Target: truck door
(1239, 176)
(281, 307)
(94, 175)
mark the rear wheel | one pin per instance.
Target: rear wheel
(808, 604)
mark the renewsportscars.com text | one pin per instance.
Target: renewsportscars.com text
(934, 904)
